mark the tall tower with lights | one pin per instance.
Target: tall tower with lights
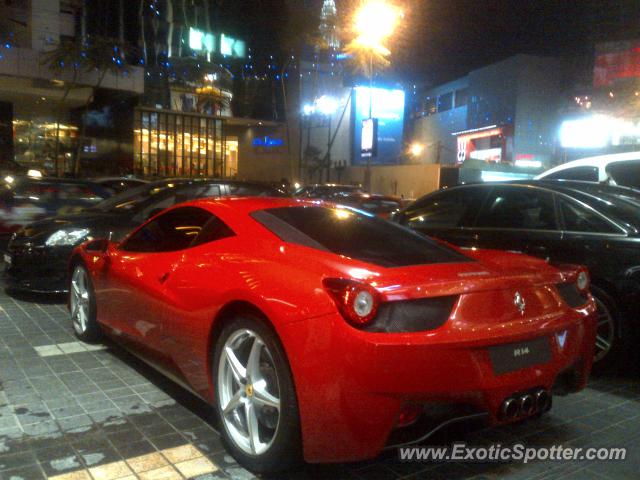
(329, 24)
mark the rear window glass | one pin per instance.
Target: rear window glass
(248, 190)
(357, 235)
(626, 174)
(585, 174)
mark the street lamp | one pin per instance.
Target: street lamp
(374, 23)
(416, 149)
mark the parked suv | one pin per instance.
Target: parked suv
(621, 169)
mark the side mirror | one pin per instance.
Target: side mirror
(98, 246)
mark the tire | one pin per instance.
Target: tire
(277, 445)
(82, 306)
(609, 333)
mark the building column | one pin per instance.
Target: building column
(6, 133)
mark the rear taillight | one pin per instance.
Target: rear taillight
(361, 305)
(357, 301)
(582, 281)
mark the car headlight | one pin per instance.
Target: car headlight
(66, 237)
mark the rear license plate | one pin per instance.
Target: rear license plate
(515, 356)
(7, 259)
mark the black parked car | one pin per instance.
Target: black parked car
(37, 255)
(26, 199)
(327, 191)
(564, 222)
(119, 184)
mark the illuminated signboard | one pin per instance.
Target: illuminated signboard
(268, 142)
(201, 41)
(616, 61)
(369, 142)
(387, 107)
(232, 47)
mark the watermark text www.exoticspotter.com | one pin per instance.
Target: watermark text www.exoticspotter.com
(461, 452)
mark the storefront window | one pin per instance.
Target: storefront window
(35, 144)
(177, 144)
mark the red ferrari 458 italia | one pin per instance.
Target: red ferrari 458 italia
(325, 333)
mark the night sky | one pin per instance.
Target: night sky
(444, 39)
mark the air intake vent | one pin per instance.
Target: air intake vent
(571, 295)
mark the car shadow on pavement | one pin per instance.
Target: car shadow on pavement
(34, 297)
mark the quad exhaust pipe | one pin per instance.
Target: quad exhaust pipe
(525, 405)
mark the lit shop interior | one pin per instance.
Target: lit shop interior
(35, 144)
(170, 143)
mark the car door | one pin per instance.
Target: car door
(193, 294)
(588, 236)
(133, 289)
(519, 218)
(448, 214)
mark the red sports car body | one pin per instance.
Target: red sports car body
(385, 334)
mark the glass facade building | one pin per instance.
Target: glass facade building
(170, 143)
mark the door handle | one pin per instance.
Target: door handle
(163, 278)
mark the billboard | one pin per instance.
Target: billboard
(387, 106)
(212, 43)
(616, 61)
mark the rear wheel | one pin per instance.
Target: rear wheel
(609, 339)
(256, 400)
(82, 304)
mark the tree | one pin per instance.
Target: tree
(93, 55)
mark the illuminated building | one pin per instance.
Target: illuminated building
(498, 122)
(38, 127)
(328, 24)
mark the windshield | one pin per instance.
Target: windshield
(133, 198)
(355, 234)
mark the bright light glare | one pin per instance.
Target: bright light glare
(34, 173)
(375, 22)
(342, 214)
(416, 149)
(589, 132)
(9, 179)
(327, 105)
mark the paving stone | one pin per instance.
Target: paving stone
(98, 408)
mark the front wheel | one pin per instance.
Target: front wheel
(82, 304)
(255, 395)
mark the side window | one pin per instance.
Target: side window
(585, 174)
(626, 174)
(580, 219)
(448, 209)
(37, 191)
(518, 207)
(76, 191)
(214, 229)
(175, 230)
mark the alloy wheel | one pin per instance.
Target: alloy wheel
(249, 392)
(606, 332)
(80, 300)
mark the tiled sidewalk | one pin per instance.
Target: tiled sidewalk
(80, 412)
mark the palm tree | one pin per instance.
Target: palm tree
(99, 55)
